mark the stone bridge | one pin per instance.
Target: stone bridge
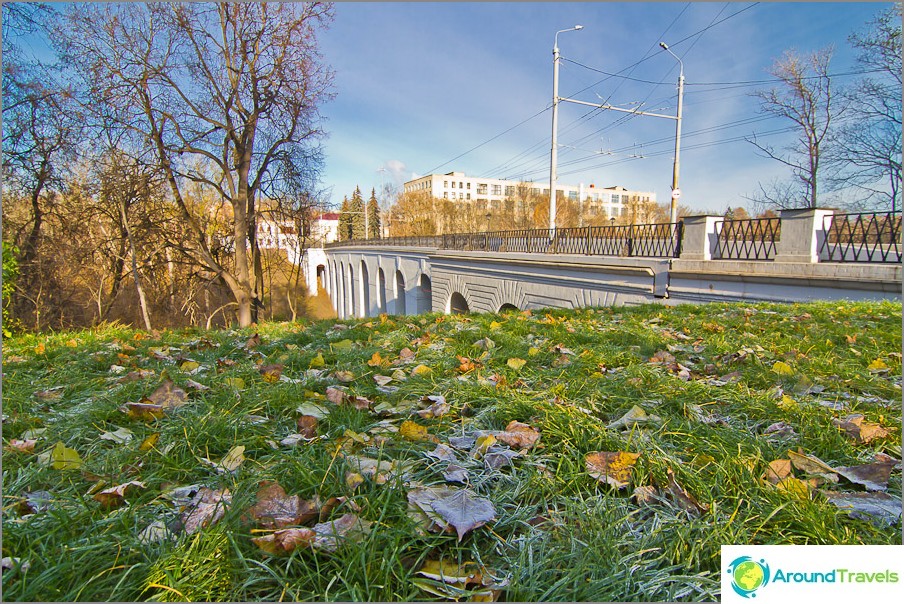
(493, 272)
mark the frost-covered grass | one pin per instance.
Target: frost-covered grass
(723, 390)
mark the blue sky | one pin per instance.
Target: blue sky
(420, 85)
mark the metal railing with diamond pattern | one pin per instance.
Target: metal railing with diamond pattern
(866, 237)
(753, 239)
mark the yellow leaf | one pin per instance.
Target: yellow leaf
(782, 368)
(342, 345)
(189, 365)
(72, 344)
(353, 480)
(39, 349)
(787, 403)
(794, 486)
(483, 444)
(376, 360)
(533, 351)
(148, 443)
(317, 361)
(64, 458)
(877, 365)
(421, 370)
(516, 363)
(237, 383)
(233, 459)
(613, 468)
(410, 430)
(495, 325)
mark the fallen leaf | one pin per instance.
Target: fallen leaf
(518, 435)
(115, 496)
(235, 382)
(275, 509)
(317, 361)
(285, 541)
(644, 495)
(168, 395)
(136, 375)
(877, 366)
(231, 462)
(455, 473)
(271, 373)
(64, 458)
(485, 344)
(464, 510)
(377, 361)
(120, 436)
(344, 376)
(685, 500)
(421, 370)
(516, 363)
(482, 445)
(778, 470)
(860, 431)
(313, 409)
(413, 431)
(873, 476)
(51, 395)
(148, 443)
(611, 467)
(879, 508)
(253, 342)
(146, 412)
(782, 368)
(307, 425)
(331, 535)
(442, 453)
(636, 415)
(438, 407)
(155, 532)
(21, 445)
(189, 366)
(421, 511)
(342, 345)
(382, 380)
(497, 457)
(810, 464)
(794, 486)
(206, 508)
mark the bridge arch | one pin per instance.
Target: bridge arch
(508, 308)
(364, 296)
(400, 293)
(350, 299)
(381, 290)
(424, 298)
(457, 305)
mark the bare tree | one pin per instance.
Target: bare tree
(866, 154)
(805, 98)
(236, 85)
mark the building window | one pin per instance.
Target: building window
(572, 195)
(481, 188)
(616, 199)
(497, 189)
(453, 184)
(446, 184)
(445, 196)
(469, 196)
(469, 186)
(461, 186)
(509, 190)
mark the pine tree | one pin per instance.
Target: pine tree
(356, 210)
(345, 221)
(373, 216)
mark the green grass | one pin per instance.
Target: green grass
(558, 534)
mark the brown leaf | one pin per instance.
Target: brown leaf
(611, 467)
(873, 476)
(253, 342)
(879, 508)
(168, 396)
(146, 412)
(21, 446)
(810, 464)
(860, 431)
(778, 470)
(115, 496)
(51, 395)
(275, 509)
(207, 507)
(307, 426)
(285, 541)
(271, 373)
(682, 498)
(335, 395)
(518, 435)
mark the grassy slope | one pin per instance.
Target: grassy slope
(559, 534)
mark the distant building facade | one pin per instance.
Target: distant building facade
(607, 201)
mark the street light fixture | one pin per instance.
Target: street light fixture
(676, 192)
(555, 126)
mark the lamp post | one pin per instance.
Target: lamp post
(676, 192)
(384, 229)
(555, 127)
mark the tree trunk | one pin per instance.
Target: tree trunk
(142, 300)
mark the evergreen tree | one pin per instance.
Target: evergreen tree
(373, 216)
(356, 210)
(345, 221)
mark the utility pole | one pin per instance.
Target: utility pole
(676, 166)
(384, 228)
(555, 127)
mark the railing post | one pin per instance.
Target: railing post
(699, 237)
(802, 235)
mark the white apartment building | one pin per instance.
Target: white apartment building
(594, 201)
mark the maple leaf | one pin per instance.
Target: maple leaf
(168, 396)
(521, 436)
(464, 510)
(331, 535)
(275, 509)
(611, 467)
(205, 509)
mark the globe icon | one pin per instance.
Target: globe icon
(748, 575)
